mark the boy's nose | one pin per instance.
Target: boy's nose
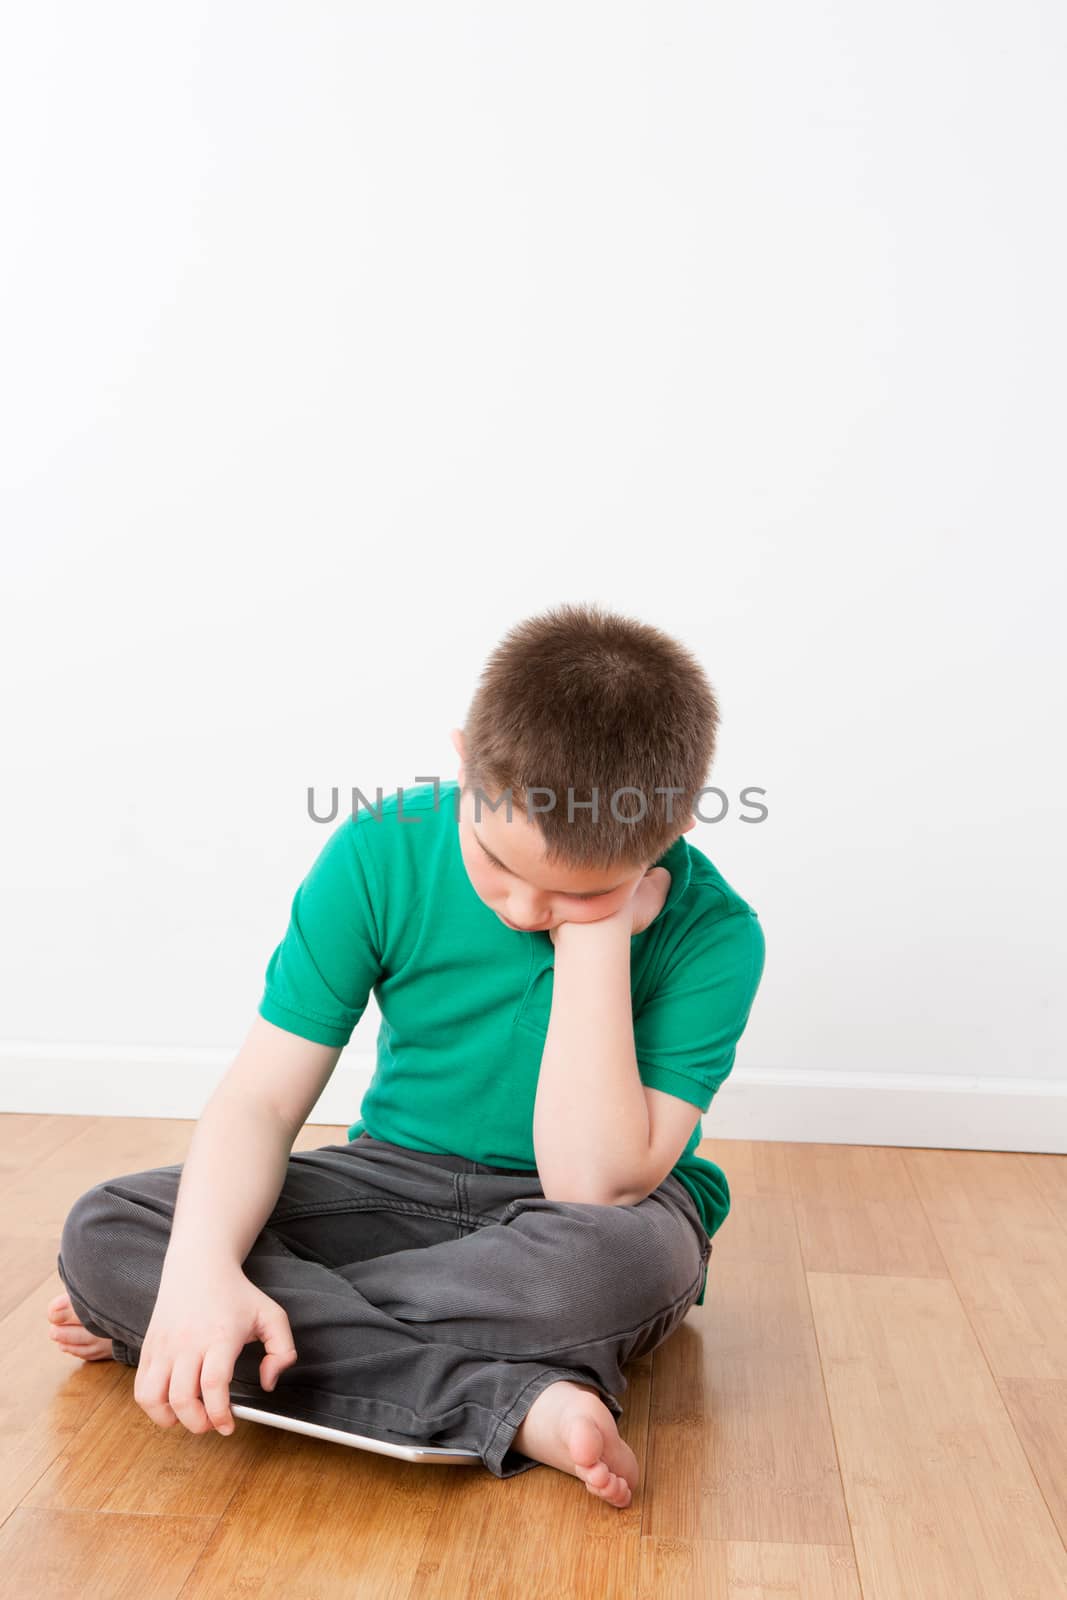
(526, 922)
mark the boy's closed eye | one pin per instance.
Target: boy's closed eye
(569, 894)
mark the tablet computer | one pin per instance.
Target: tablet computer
(439, 1455)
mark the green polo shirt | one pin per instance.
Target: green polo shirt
(387, 907)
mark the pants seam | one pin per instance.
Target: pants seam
(460, 1192)
(329, 1208)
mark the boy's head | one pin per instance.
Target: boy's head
(574, 702)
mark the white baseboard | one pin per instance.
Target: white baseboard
(934, 1111)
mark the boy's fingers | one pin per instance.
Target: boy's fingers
(215, 1388)
(277, 1339)
(184, 1394)
(273, 1365)
(150, 1387)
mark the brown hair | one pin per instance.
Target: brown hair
(582, 699)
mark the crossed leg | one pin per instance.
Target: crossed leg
(508, 1339)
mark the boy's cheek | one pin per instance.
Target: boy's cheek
(595, 912)
(586, 916)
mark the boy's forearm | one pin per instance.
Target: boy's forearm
(230, 1183)
(591, 1130)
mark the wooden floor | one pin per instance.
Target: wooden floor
(871, 1402)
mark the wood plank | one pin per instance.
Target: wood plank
(857, 1211)
(320, 1520)
(38, 1197)
(47, 1397)
(742, 1445)
(678, 1569)
(941, 1497)
(78, 1555)
(1007, 1254)
(127, 1463)
(541, 1534)
(1048, 1174)
(27, 1138)
(752, 1167)
(996, 1219)
(42, 1183)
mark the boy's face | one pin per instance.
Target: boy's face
(505, 862)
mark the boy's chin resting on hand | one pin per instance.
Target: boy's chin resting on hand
(642, 909)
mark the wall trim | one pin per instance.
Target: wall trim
(926, 1110)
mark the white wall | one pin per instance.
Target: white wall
(338, 338)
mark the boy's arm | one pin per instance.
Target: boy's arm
(599, 1135)
(239, 1151)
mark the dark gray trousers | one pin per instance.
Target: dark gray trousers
(431, 1298)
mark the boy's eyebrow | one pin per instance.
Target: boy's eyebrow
(585, 894)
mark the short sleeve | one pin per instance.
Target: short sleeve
(686, 1034)
(320, 976)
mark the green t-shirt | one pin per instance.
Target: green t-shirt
(387, 906)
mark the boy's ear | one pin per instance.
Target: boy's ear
(690, 824)
(460, 747)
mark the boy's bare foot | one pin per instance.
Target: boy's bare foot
(569, 1427)
(71, 1337)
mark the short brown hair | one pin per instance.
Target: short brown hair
(581, 699)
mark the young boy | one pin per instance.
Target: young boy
(519, 1210)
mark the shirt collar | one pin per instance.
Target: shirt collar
(677, 862)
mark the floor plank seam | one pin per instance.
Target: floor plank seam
(826, 1396)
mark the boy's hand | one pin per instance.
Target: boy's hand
(642, 908)
(202, 1320)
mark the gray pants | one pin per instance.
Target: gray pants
(431, 1298)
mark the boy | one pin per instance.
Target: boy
(519, 1211)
